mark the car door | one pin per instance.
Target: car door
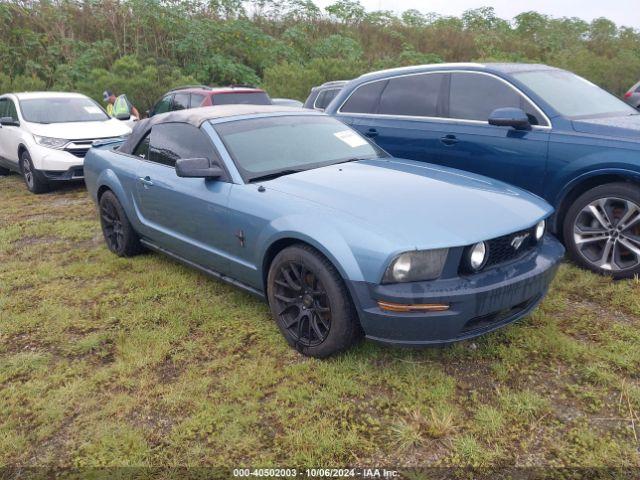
(407, 120)
(518, 157)
(9, 135)
(186, 216)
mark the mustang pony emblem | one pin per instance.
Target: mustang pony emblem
(517, 242)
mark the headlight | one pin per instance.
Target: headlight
(51, 142)
(416, 266)
(540, 228)
(477, 256)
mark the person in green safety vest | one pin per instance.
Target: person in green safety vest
(119, 106)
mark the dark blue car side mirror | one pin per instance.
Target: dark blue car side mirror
(510, 117)
(198, 168)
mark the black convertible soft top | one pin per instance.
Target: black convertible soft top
(197, 116)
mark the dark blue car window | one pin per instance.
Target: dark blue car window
(173, 141)
(474, 96)
(414, 95)
(365, 99)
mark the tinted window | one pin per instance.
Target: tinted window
(62, 110)
(415, 95)
(257, 98)
(173, 141)
(297, 142)
(9, 109)
(4, 107)
(325, 98)
(142, 150)
(196, 100)
(573, 96)
(180, 101)
(163, 105)
(475, 96)
(365, 98)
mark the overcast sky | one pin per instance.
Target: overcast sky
(623, 12)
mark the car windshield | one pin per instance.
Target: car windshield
(248, 98)
(573, 96)
(62, 110)
(272, 146)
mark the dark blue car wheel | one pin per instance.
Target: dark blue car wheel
(310, 302)
(602, 230)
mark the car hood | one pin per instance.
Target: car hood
(627, 126)
(426, 205)
(81, 130)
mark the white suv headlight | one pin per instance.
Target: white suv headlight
(416, 266)
(49, 142)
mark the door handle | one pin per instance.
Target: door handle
(146, 181)
(449, 140)
(371, 133)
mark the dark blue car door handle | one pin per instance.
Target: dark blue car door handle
(371, 133)
(449, 139)
(146, 181)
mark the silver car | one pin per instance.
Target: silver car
(632, 97)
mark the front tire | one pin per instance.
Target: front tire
(118, 233)
(602, 230)
(32, 179)
(310, 302)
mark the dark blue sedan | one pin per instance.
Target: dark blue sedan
(540, 128)
(338, 236)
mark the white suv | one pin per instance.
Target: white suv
(45, 135)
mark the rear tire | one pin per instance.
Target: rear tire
(4, 172)
(119, 235)
(310, 302)
(32, 178)
(601, 230)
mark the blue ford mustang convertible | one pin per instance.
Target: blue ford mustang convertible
(340, 238)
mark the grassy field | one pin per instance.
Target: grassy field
(107, 361)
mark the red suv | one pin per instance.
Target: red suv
(193, 96)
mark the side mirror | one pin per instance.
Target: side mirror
(123, 116)
(510, 117)
(9, 122)
(197, 168)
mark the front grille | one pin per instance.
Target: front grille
(79, 148)
(503, 249)
(77, 152)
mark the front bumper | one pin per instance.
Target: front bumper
(72, 174)
(53, 160)
(478, 303)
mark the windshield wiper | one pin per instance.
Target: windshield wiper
(271, 176)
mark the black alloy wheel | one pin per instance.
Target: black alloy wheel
(301, 304)
(310, 302)
(118, 233)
